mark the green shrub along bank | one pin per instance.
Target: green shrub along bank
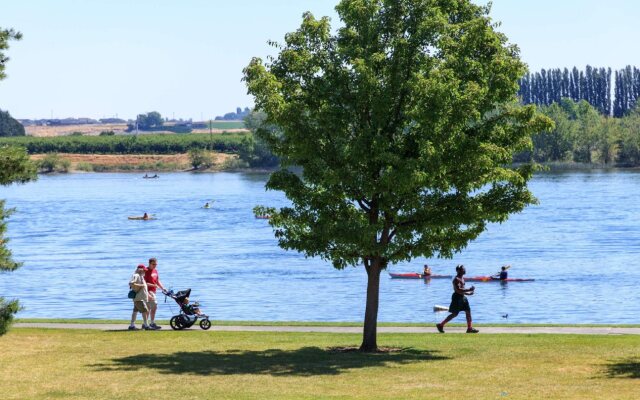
(53, 163)
(583, 135)
(200, 159)
(129, 144)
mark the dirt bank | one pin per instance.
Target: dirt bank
(137, 162)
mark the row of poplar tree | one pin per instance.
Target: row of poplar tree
(593, 85)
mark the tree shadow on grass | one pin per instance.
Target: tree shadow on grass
(307, 361)
(627, 368)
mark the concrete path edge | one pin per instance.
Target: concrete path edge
(573, 330)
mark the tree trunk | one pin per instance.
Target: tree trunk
(369, 337)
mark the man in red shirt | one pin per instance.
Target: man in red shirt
(153, 282)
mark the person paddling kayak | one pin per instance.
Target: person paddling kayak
(459, 301)
(503, 274)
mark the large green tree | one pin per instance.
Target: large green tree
(14, 167)
(404, 122)
(10, 126)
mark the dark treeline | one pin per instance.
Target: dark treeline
(593, 85)
(627, 90)
(129, 144)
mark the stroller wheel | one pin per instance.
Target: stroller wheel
(205, 324)
(175, 323)
(186, 321)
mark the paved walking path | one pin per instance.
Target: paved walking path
(352, 329)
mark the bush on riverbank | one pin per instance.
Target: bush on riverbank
(53, 163)
(200, 159)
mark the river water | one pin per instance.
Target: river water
(581, 245)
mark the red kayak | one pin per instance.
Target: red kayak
(415, 275)
(494, 279)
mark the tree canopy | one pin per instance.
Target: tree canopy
(9, 126)
(404, 123)
(5, 36)
(14, 167)
(147, 121)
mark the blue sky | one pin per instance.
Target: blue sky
(103, 58)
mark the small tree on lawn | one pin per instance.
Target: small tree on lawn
(404, 123)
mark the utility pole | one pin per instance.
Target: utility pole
(210, 134)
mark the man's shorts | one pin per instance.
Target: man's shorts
(152, 302)
(140, 306)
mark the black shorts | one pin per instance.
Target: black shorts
(459, 303)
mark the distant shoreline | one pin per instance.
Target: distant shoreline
(145, 163)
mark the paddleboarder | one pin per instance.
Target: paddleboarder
(459, 301)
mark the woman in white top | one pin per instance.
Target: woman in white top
(138, 284)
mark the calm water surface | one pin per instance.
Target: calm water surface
(581, 244)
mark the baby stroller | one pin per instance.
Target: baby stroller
(187, 317)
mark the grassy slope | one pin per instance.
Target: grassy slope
(46, 364)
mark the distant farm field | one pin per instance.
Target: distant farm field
(226, 125)
(96, 129)
(64, 130)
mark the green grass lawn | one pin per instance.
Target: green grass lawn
(82, 364)
(227, 124)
